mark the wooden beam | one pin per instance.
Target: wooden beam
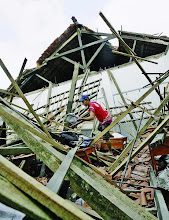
(133, 49)
(144, 35)
(142, 130)
(57, 179)
(14, 150)
(40, 193)
(18, 78)
(106, 102)
(162, 209)
(46, 111)
(65, 43)
(132, 56)
(130, 108)
(120, 93)
(123, 106)
(24, 98)
(17, 199)
(80, 48)
(22, 69)
(82, 51)
(155, 41)
(9, 93)
(73, 88)
(107, 200)
(71, 61)
(129, 50)
(95, 54)
(97, 33)
(72, 91)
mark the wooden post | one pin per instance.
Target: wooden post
(82, 51)
(72, 89)
(120, 93)
(133, 48)
(48, 100)
(106, 102)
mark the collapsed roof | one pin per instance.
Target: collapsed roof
(55, 64)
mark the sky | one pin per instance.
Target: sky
(28, 27)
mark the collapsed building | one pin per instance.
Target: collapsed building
(131, 82)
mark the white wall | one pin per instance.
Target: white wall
(128, 77)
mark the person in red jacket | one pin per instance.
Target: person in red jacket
(96, 110)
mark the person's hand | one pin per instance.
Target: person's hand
(80, 119)
(62, 109)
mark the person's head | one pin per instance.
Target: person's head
(85, 100)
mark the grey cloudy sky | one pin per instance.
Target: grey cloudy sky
(28, 27)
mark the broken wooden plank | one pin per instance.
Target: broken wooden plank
(15, 198)
(132, 56)
(56, 181)
(37, 191)
(8, 93)
(107, 200)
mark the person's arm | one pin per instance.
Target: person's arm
(91, 117)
